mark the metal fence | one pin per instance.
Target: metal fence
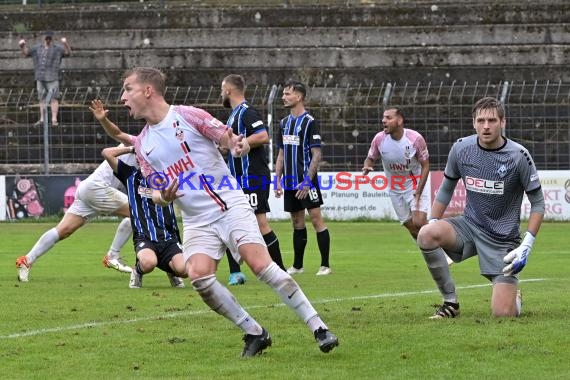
(538, 116)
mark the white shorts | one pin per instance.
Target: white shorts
(405, 203)
(92, 199)
(238, 226)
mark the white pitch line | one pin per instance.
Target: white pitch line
(200, 312)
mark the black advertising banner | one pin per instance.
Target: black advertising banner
(35, 196)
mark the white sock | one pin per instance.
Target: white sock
(122, 235)
(224, 303)
(291, 294)
(44, 244)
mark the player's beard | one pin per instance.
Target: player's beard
(226, 103)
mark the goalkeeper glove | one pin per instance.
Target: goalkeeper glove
(517, 257)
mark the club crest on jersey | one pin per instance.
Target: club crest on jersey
(179, 134)
(502, 171)
(408, 152)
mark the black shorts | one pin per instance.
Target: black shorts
(164, 251)
(313, 200)
(258, 199)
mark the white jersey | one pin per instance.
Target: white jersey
(104, 176)
(401, 159)
(184, 145)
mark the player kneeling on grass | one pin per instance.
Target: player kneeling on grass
(155, 231)
(497, 172)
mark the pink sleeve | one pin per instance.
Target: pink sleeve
(421, 147)
(146, 169)
(374, 151)
(206, 124)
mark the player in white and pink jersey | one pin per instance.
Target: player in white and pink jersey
(179, 148)
(405, 160)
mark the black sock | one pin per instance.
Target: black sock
(324, 242)
(299, 244)
(273, 248)
(138, 268)
(234, 266)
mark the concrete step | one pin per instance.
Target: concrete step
(349, 57)
(206, 77)
(182, 15)
(407, 36)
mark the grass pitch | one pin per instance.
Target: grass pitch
(78, 320)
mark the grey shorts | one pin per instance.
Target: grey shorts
(44, 87)
(473, 242)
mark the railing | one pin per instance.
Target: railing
(538, 116)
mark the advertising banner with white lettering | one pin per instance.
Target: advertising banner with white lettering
(555, 187)
(3, 213)
(346, 195)
(350, 195)
(457, 203)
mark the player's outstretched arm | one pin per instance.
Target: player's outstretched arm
(110, 155)
(100, 113)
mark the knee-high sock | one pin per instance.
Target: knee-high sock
(291, 294)
(44, 244)
(273, 247)
(324, 243)
(224, 303)
(122, 235)
(299, 244)
(234, 266)
(138, 268)
(439, 269)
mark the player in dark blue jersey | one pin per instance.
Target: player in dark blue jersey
(299, 143)
(252, 171)
(155, 232)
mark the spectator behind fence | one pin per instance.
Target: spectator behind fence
(47, 58)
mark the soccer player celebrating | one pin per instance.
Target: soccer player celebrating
(496, 172)
(405, 160)
(179, 144)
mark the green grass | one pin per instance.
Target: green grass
(77, 320)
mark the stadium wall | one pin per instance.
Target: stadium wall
(347, 196)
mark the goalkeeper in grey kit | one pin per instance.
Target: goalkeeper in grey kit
(497, 172)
